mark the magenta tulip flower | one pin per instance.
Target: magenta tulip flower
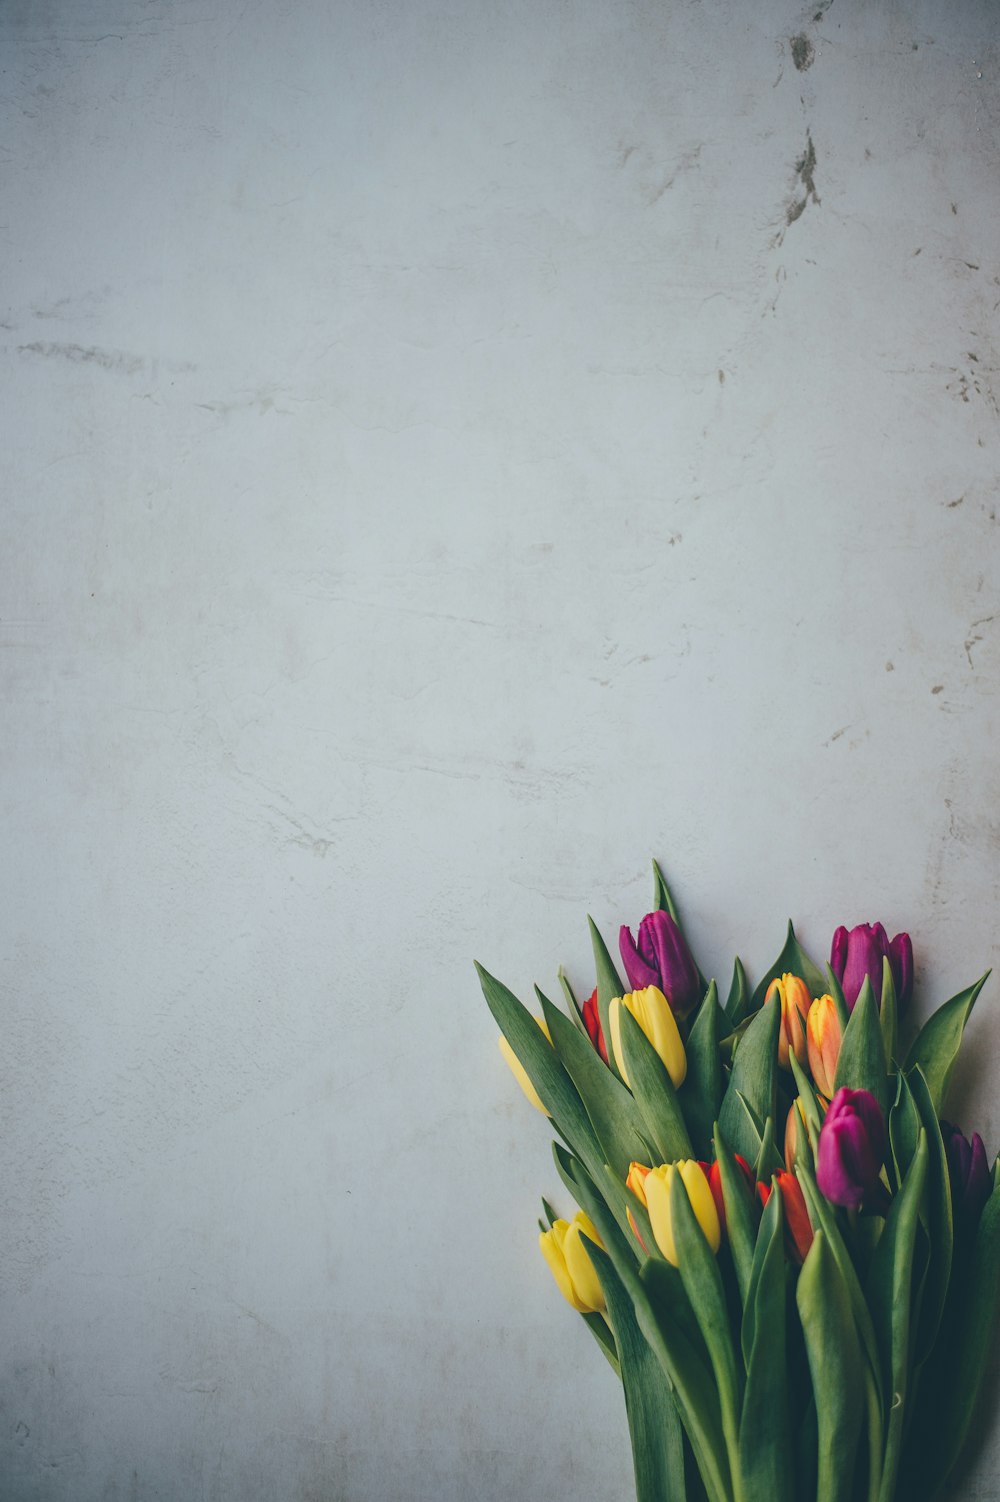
(852, 1147)
(858, 953)
(661, 958)
(969, 1171)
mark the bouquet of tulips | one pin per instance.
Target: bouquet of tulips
(788, 1256)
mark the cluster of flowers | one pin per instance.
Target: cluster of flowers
(865, 1157)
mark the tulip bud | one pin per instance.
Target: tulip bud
(715, 1184)
(661, 958)
(798, 1227)
(857, 955)
(795, 1000)
(657, 1188)
(564, 1248)
(592, 1022)
(852, 1147)
(635, 1181)
(652, 1012)
(823, 1038)
(969, 1172)
(518, 1070)
(795, 1123)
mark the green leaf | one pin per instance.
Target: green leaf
(701, 1093)
(958, 1390)
(608, 986)
(615, 1117)
(765, 1442)
(686, 1370)
(889, 1289)
(937, 1213)
(654, 1094)
(572, 1005)
(793, 960)
(702, 1281)
(769, 1160)
(754, 1079)
(738, 1000)
(807, 1095)
(541, 1064)
(741, 1217)
(935, 1048)
(836, 1365)
(904, 1128)
(889, 1016)
(861, 1064)
(662, 897)
(550, 1214)
(653, 1421)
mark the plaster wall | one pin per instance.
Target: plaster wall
(452, 453)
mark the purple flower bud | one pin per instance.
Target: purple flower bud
(969, 1171)
(852, 1146)
(661, 958)
(858, 953)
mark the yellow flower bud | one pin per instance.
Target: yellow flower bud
(823, 1038)
(795, 1000)
(565, 1250)
(657, 1186)
(518, 1070)
(651, 1010)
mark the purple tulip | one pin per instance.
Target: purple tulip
(969, 1171)
(661, 958)
(859, 953)
(852, 1146)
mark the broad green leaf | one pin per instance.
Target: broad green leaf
(765, 1441)
(653, 1421)
(836, 1365)
(904, 1128)
(654, 1094)
(741, 1213)
(738, 1000)
(754, 1078)
(957, 1393)
(685, 1368)
(889, 1298)
(769, 1160)
(807, 1096)
(600, 1330)
(935, 1048)
(615, 1117)
(572, 1005)
(701, 1093)
(702, 1281)
(608, 985)
(542, 1065)
(889, 1016)
(861, 1064)
(794, 961)
(937, 1213)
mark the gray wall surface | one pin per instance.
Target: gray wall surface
(452, 453)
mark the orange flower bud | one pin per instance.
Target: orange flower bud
(823, 1038)
(798, 1227)
(715, 1184)
(795, 1000)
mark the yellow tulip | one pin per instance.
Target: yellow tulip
(657, 1186)
(518, 1070)
(795, 1000)
(651, 1010)
(823, 1039)
(564, 1248)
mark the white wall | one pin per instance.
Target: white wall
(443, 468)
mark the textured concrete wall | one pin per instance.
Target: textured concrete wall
(452, 453)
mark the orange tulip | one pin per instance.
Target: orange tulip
(798, 1227)
(795, 1000)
